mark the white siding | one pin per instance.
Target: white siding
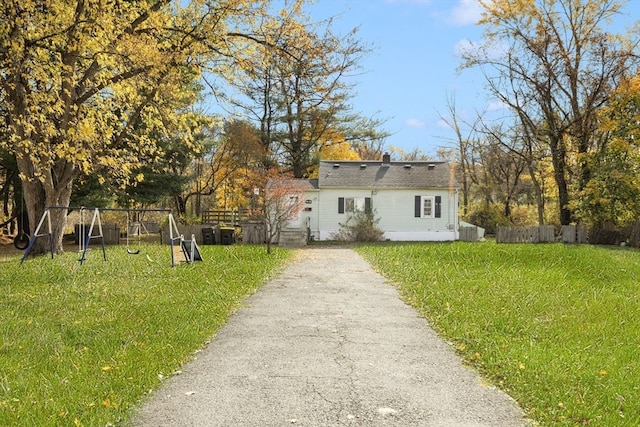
(330, 219)
(308, 217)
(395, 209)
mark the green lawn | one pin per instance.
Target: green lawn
(556, 326)
(81, 345)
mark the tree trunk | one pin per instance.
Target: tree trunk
(36, 200)
(40, 194)
(538, 191)
(465, 192)
(507, 208)
(181, 205)
(558, 157)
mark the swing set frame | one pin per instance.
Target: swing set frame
(189, 248)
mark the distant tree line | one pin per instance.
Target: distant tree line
(566, 148)
(102, 104)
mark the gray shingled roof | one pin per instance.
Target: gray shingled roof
(299, 184)
(376, 174)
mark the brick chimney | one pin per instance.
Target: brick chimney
(386, 158)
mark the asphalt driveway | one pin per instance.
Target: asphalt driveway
(327, 343)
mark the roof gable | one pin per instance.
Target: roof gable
(295, 184)
(376, 174)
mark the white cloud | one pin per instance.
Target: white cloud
(480, 49)
(415, 123)
(466, 12)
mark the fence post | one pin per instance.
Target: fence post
(568, 234)
(581, 234)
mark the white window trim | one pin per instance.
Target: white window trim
(433, 207)
(354, 204)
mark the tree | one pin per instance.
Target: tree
(504, 167)
(464, 145)
(244, 166)
(554, 64)
(78, 76)
(612, 195)
(333, 147)
(295, 87)
(11, 193)
(415, 155)
(512, 139)
(283, 202)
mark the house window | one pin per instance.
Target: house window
(428, 206)
(353, 204)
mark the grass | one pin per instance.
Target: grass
(82, 345)
(556, 326)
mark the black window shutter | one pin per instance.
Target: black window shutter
(367, 204)
(340, 204)
(438, 203)
(417, 206)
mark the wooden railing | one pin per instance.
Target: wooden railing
(229, 217)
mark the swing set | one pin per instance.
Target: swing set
(134, 228)
(188, 249)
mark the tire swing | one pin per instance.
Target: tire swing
(136, 226)
(21, 241)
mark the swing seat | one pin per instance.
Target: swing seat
(21, 241)
(133, 229)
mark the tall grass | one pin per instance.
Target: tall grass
(556, 326)
(81, 345)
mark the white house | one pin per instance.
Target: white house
(414, 201)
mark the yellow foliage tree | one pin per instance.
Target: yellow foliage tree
(334, 147)
(77, 76)
(554, 63)
(612, 195)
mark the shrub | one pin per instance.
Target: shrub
(362, 226)
(487, 217)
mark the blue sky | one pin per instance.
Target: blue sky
(412, 69)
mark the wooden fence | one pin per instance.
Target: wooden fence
(570, 234)
(611, 235)
(573, 234)
(250, 232)
(254, 232)
(537, 234)
(468, 234)
(542, 234)
(110, 233)
(190, 230)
